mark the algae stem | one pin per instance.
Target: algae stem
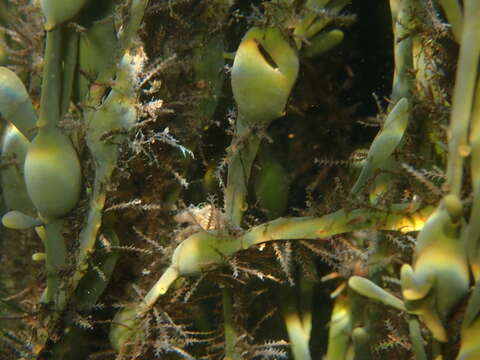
(52, 79)
(69, 68)
(369, 289)
(160, 287)
(463, 95)
(473, 229)
(289, 229)
(402, 19)
(55, 262)
(333, 224)
(239, 169)
(231, 335)
(453, 12)
(89, 233)
(294, 229)
(137, 10)
(298, 330)
(416, 339)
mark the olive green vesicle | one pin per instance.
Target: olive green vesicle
(263, 74)
(52, 168)
(52, 173)
(57, 12)
(15, 104)
(14, 149)
(17, 220)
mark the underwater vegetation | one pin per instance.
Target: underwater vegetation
(283, 179)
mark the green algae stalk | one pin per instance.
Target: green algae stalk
(323, 43)
(298, 330)
(339, 342)
(402, 20)
(92, 286)
(117, 114)
(416, 339)
(69, 64)
(384, 143)
(312, 23)
(453, 11)
(440, 272)
(56, 261)
(52, 168)
(264, 71)
(473, 228)
(98, 39)
(371, 290)
(207, 249)
(332, 224)
(51, 81)
(463, 95)
(470, 347)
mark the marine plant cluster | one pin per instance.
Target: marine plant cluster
(283, 179)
